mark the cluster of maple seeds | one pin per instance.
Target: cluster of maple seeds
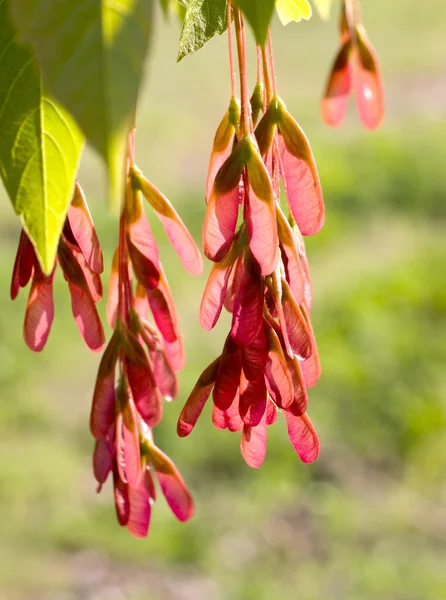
(260, 275)
(80, 258)
(355, 68)
(261, 272)
(140, 362)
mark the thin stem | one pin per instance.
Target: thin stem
(131, 146)
(259, 63)
(271, 62)
(246, 125)
(266, 76)
(231, 52)
(124, 286)
(351, 8)
(276, 164)
(122, 269)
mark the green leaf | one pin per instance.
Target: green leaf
(92, 55)
(165, 6)
(40, 145)
(179, 8)
(293, 10)
(203, 20)
(258, 14)
(324, 7)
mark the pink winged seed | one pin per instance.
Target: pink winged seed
(104, 397)
(172, 485)
(228, 375)
(144, 391)
(87, 318)
(290, 257)
(339, 85)
(252, 402)
(221, 149)
(222, 210)
(254, 356)
(234, 281)
(146, 271)
(197, 399)
(277, 376)
(141, 302)
(262, 222)
(297, 328)
(271, 412)
(253, 444)
(161, 313)
(103, 409)
(368, 86)
(130, 432)
(215, 291)
(175, 354)
(300, 245)
(121, 494)
(220, 222)
(102, 462)
(300, 176)
(228, 419)
(23, 265)
(139, 510)
(82, 226)
(303, 436)
(300, 399)
(119, 446)
(311, 367)
(39, 312)
(163, 309)
(92, 279)
(176, 231)
(248, 308)
(165, 378)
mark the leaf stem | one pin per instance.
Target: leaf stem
(124, 286)
(259, 63)
(231, 52)
(122, 269)
(266, 77)
(271, 62)
(246, 125)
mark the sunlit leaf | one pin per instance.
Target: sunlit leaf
(258, 14)
(203, 20)
(92, 55)
(293, 10)
(40, 145)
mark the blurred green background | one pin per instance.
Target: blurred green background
(367, 521)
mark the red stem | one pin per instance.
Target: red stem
(246, 125)
(259, 63)
(231, 52)
(125, 286)
(266, 77)
(276, 169)
(271, 62)
(123, 306)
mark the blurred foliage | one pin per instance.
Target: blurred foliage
(366, 521)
